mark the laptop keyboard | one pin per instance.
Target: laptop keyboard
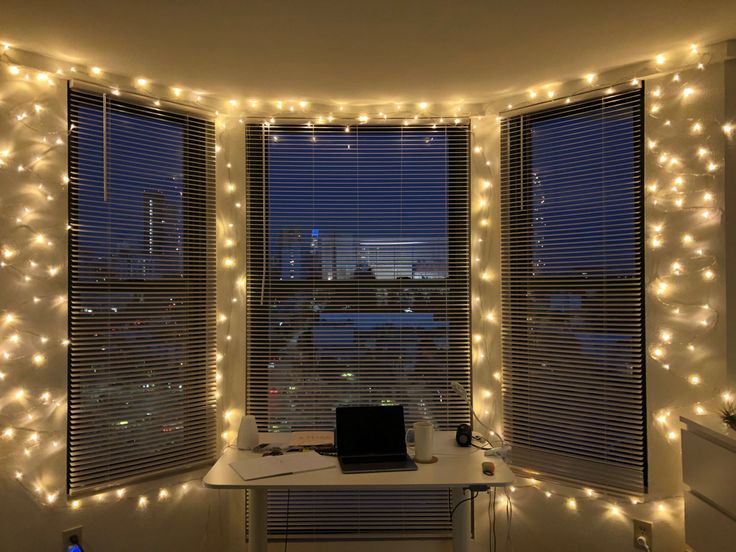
(375, 460)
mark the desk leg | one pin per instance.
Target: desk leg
(460, 521)
(257, 520)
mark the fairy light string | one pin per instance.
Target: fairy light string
(687, 184)
(689, 190)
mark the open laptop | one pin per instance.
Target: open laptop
(372, 439)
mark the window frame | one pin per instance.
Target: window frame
(198, 242)
(257, 261)
(516, 180)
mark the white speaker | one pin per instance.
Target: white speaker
(248, 433)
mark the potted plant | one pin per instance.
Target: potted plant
(728, 414)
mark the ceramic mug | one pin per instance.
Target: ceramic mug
(423, 440)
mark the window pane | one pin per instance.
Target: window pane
(373, 205)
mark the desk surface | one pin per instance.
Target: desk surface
(457, 467)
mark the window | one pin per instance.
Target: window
(358, 293)
(572, 291)
(142, 292)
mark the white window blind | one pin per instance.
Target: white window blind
(573, 291)
(142, 291)
(358, 293)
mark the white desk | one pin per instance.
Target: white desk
(457, 469)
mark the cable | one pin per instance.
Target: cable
(463, 394)
(492, 519)
(509, 516)
(471, 497)
(286, 536)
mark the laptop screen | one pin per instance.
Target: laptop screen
(370, 430)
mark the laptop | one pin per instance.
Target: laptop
(372, 439)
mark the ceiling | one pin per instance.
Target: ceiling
(368, 51)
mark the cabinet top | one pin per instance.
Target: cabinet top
(710, 426)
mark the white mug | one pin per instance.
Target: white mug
(423, 440)
(248, 433)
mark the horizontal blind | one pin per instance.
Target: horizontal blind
(358, 293)
(142, 292)
(573, 291)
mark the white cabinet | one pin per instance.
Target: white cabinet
(709, 471)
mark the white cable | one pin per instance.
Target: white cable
(463, 394)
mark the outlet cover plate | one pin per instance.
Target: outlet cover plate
(643, 529)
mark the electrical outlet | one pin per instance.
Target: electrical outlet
(643, 529)
(68, 534)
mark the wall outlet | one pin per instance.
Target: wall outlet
(643, 529)
(68, 534)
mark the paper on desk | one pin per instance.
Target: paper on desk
(287, 464)
(311, 438)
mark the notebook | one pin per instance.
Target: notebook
(287, 464)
